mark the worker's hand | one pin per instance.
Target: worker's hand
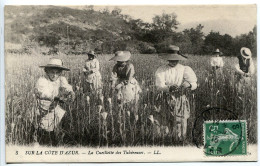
(186, 85)
(118, 86)
(247, 75)
(173, 88)
(57, 98)
(126, 82)
(71, 96)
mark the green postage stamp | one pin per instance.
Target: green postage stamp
(224, 138)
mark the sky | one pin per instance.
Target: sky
(231, 19)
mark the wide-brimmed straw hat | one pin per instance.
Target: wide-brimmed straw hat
(55, 63)
(92, 53)
(121, 56)
(246, 52)
(217, 52)
(172, 53)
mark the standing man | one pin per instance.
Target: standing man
(174, 80)
(244, 69)
(217, 64)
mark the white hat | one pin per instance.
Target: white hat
(121, 56)
(172, 53)
(245, 52)
(55, 63)
(217, 52)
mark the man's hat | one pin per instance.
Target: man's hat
(217, 51)
(172, 53)
(121, 56)
(92, 53)
(245, 52)
(55, 63)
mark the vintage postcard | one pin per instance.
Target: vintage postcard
(172, 83)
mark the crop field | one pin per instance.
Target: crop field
(91, 121)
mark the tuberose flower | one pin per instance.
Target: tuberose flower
(150, 117)
(104, 115)
(99, 108)
(109, 101)
(88, 99)
(101, 98)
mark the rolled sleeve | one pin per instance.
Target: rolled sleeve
(251, 68)
(190, 77)
(238, 70)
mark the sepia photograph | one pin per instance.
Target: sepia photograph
(136, 83)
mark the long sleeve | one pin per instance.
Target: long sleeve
(251, 69)
(64, 83)
(190, 77)
(114, 77)
(238, 70)
(96, 68)
(160, 80)
(130, 72)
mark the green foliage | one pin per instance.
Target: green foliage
(196, 38)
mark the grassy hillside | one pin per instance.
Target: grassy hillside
(64, 27)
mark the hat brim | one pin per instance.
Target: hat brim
(220, 53)
(169, 57)
(92, 54)
(118, 58)
(242, 53)
(55, 66)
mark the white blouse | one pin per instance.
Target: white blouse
(167, 76)
(92, 65)
(50, 89)
(217, 62)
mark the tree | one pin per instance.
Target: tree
(215, 40)
(105, 11)
(196, 37)
(165, 22)
(246, 40)
(116, 11)
(162, 28)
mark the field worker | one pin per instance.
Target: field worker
(244, 69)
(217, 64)
(123, 81)
(51, 90)
(174, 80)
(93, 76)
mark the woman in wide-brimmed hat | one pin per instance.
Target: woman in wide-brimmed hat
(217, 63)
(50, 90)
(244, 69)
(122, 79)
(173, 81)
(93, 76)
